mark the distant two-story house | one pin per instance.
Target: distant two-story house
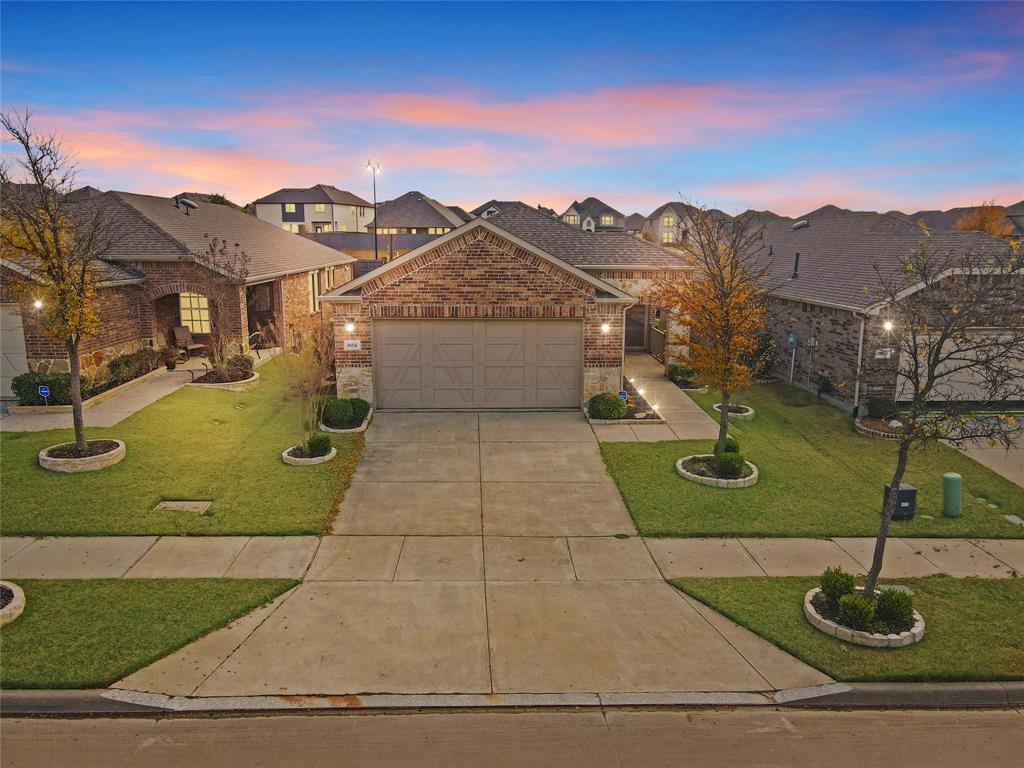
(593, 215)
(318, 209)
(416, 214)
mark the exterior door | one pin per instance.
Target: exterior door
(478, 364)
(13, 359)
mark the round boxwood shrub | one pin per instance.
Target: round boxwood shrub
(318, 445)
(607, 405)
(835, 583)
(337, 413)
(881, 407)
(895, 606)
(729, 465)
(856, 611)
(732, 445)
(360, 409)
(26, 388)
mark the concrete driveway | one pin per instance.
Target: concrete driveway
(479, 553)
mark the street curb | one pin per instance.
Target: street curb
(828, 696)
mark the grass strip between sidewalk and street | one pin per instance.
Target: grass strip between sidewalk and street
(89, 633)
(974, 628)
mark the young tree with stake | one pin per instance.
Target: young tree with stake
(956, 327)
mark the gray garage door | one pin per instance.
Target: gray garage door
(438, 364)
(12, 347)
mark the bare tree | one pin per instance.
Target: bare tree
(723, 302)
(307, 362)
(223, 285)
(957, 332)
(54, 244)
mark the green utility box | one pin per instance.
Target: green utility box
(951, 495)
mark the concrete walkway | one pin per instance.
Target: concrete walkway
(684, 418)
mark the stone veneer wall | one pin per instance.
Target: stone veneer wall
(478, 275)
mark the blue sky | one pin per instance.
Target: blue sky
(766, 105)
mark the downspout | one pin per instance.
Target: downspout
(860, 357)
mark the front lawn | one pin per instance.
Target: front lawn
(818, 477)
(974, 628)
(90, 633)
(195, 444)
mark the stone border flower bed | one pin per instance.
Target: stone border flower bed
(13, 609)
(716, 482)
(89, 403)
(857, 637)
(746, 415)
(231, 386)
(85, 463)
(295, 461)
(361, 428)
(858, 424)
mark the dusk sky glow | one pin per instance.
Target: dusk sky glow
(769, 105)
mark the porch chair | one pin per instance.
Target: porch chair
(183, 340)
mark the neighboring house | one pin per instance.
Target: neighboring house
(510, 310)
(593, 215)
(945, 221)
(669, 224)
(634, 223)
(322, 208)
(360, 245)
(825, 293)
(416, 214)
(153, 277)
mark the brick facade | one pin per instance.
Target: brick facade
(474, 276)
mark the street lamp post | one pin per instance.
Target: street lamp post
(374, 168)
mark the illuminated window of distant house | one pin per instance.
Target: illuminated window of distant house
(668, 237)
(290, 228)
(343, 228)
(572, 218)
(319, 207)
(438, 230)
(607, 221)
(195, 312)
(668, 221)
(289, 207)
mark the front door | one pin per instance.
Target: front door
(636, 327)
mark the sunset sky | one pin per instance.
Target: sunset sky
(780, 106)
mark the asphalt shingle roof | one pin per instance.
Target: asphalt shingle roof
(152, 227)
(593, 207)
(944, 221)
(575, 246)
(320, 193)
(414, 209)
(635, 221)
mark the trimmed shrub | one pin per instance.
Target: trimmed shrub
(240, 367)
(360, 408)
(856, 611)
(895, 606)
(681, 374)
(607, 405)
(729, 465)
(881, 407)
(25, 388)
(732, 445)
(318, 445)
(127, 367)
(337, 413)
(835, 583)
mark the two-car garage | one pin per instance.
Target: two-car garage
(452, 364)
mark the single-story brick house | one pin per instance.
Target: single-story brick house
(152, 278)
(825, 292)
(512, 309)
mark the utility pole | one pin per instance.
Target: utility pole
(374, 168)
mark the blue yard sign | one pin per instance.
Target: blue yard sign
(44, 391)
(622, 394)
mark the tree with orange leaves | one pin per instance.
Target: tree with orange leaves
(723, 300)
(988, 218)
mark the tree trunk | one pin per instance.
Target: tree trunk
(76, 395)
(723, 424)
(887, 509)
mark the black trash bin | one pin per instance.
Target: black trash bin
(906, 501)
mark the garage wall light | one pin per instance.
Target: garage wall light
(349, 327)
(605, 327)
(37, 304)
(887, 325)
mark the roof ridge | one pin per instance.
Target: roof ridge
(125, 203)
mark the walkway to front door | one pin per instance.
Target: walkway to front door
(479, 553)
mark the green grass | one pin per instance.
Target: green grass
(974, 628)
(90, 633)
(818, 477)
(196, 443)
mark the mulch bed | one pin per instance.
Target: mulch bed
(829, 611)
(300, 452)
(738, 408)
(635, 403)
(221, 376)
(880, 425)
(6, 595)
(705, 467)
(92, 448)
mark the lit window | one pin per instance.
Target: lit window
(319, 207)
(572, 218)
(194, 311)
(290, 228)
(607, 221)
(289, 207)
(315, 289)
(343, 228)
(438, 230)
(668, 237)
(668, 221)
